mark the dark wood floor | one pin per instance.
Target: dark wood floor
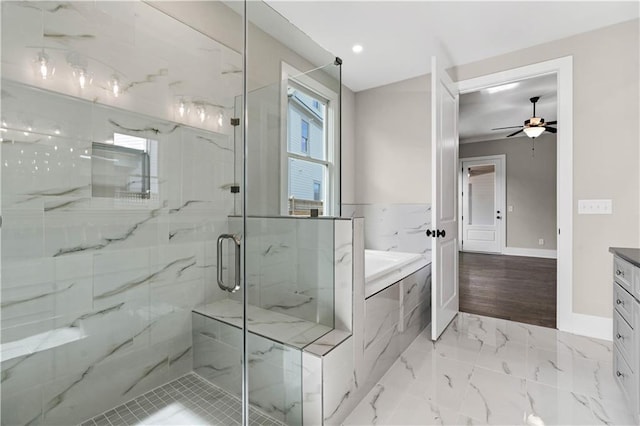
(516, 288)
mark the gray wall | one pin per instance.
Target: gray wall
(530, 187)
(393, 148)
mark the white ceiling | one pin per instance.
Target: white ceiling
(482, 111)
(399, 37)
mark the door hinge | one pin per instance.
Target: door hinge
(235, 121)
(558, 231)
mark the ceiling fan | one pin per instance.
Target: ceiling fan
(533, 127)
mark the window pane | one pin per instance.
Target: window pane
(306, 184)
(482, 190)
(306, 125)
(304, 138)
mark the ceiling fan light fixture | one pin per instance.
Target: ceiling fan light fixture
(534, 132)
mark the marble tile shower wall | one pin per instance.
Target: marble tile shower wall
(97, 292)
(290, 266)
(393, 227)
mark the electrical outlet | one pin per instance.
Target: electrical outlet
(595, 207)
(541, 241)
(510, 209)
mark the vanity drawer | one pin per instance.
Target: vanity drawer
(623, 303)
(623, 273)
(624, 339)
(625, 377)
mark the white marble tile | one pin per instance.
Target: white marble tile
(572, 373)
(611, 412)
(311, 389)
(563, 384)
(375, 408)
(586, 347)
(416, 411)
(509, 358)
(550, 405)
(495, 398)
(71, 399)
(23, 408)
(23, 232)
(382, 313)
(338, 383)
(457, 342)
(343, 278)
(394, 227)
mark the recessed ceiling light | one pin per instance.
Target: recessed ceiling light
(357, 48)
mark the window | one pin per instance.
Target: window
(304, 138)
(310, 165)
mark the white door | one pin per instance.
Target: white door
(444, 213)
(482, 213)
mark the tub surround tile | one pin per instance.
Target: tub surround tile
(394, 227)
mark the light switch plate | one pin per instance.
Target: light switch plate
(595, 207)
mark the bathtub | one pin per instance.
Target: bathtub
(383, 268)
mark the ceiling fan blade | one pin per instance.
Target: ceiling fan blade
(551, 123)
(503, 128)
(515, 133)
(551, 130)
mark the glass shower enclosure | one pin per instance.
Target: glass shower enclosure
(150, 271)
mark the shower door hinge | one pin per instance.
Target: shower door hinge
(235, 121)
(235, 189)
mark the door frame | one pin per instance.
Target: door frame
(501, 181)
(566, 319)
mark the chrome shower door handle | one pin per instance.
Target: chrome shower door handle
(221, 284)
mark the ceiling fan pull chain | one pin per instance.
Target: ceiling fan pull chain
(533, 148)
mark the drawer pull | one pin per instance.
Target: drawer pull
(619, 336)
(619, 374)
(619, 272)
(619, 302)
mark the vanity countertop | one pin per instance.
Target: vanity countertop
(629, 254)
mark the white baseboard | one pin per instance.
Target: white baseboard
(590, 326)
(529, 252)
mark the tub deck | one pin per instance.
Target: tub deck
(384, 268)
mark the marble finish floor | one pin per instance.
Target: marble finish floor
(494, 371)
(188, 400)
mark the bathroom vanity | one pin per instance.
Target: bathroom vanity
(626, 323)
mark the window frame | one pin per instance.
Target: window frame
(330, 191)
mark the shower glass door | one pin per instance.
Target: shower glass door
(150, 271)
(117, 178)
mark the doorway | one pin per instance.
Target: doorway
(508, 197)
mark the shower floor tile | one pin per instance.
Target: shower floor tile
(188, 400)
